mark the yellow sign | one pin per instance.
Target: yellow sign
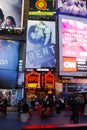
(32, 85)
(41, 13)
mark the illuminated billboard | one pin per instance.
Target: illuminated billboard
(11, 13)
(73, 45)
(40, 49)
(41, 8)
(72, 7)
(8, 63)
(32, 80)
(8, 79)
(49, 80)
(9, 54)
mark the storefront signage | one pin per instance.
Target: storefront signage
(49, 80)
(32, 80)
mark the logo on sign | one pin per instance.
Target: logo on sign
(69, 64)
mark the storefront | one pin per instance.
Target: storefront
(39, 84)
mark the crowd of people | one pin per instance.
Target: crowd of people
(3, 107)
(46, 106)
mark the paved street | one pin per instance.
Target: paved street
(11, 122)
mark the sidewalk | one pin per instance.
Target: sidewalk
(11, 122)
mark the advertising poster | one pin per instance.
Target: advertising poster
(9, 54)
(72, 7)
(8, 63)
(13, 98)
(73, 42)
(40, 49)
(8, 79)
(11, 13)
(20, 93)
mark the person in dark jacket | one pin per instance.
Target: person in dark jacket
(75, 111)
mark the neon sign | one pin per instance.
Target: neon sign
(49, 80)
(32, 79)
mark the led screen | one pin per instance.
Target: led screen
(8, 63)
(11, 10)
(72, 7)
(40, 49)
(21, 79)
(9, 54)
(8, 79)
(73, 45)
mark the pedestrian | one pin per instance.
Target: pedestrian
(5, 103)
(19, 106)
(75, 111)
(85, 110)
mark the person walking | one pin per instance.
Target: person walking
(75, 111)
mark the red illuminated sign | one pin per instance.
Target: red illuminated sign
(32, 79)
(49, 80)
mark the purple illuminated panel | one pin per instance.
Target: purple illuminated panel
(72, 7)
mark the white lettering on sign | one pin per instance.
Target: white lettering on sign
(3, 62)
(69, 64)
(83, 53)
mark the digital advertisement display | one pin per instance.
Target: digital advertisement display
(20, 79)
(9, 55)
(73, 44)
(72, 7)
(41, 7)
(11, 13)
(40, 48)
(8, 79)
(8, 63)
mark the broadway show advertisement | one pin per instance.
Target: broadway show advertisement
(40, 49)
(11, 13)
(72, 7)
(73, 44)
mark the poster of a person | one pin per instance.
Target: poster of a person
(40, 43)
(72, 7)
(11, 13)
(40, 33)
